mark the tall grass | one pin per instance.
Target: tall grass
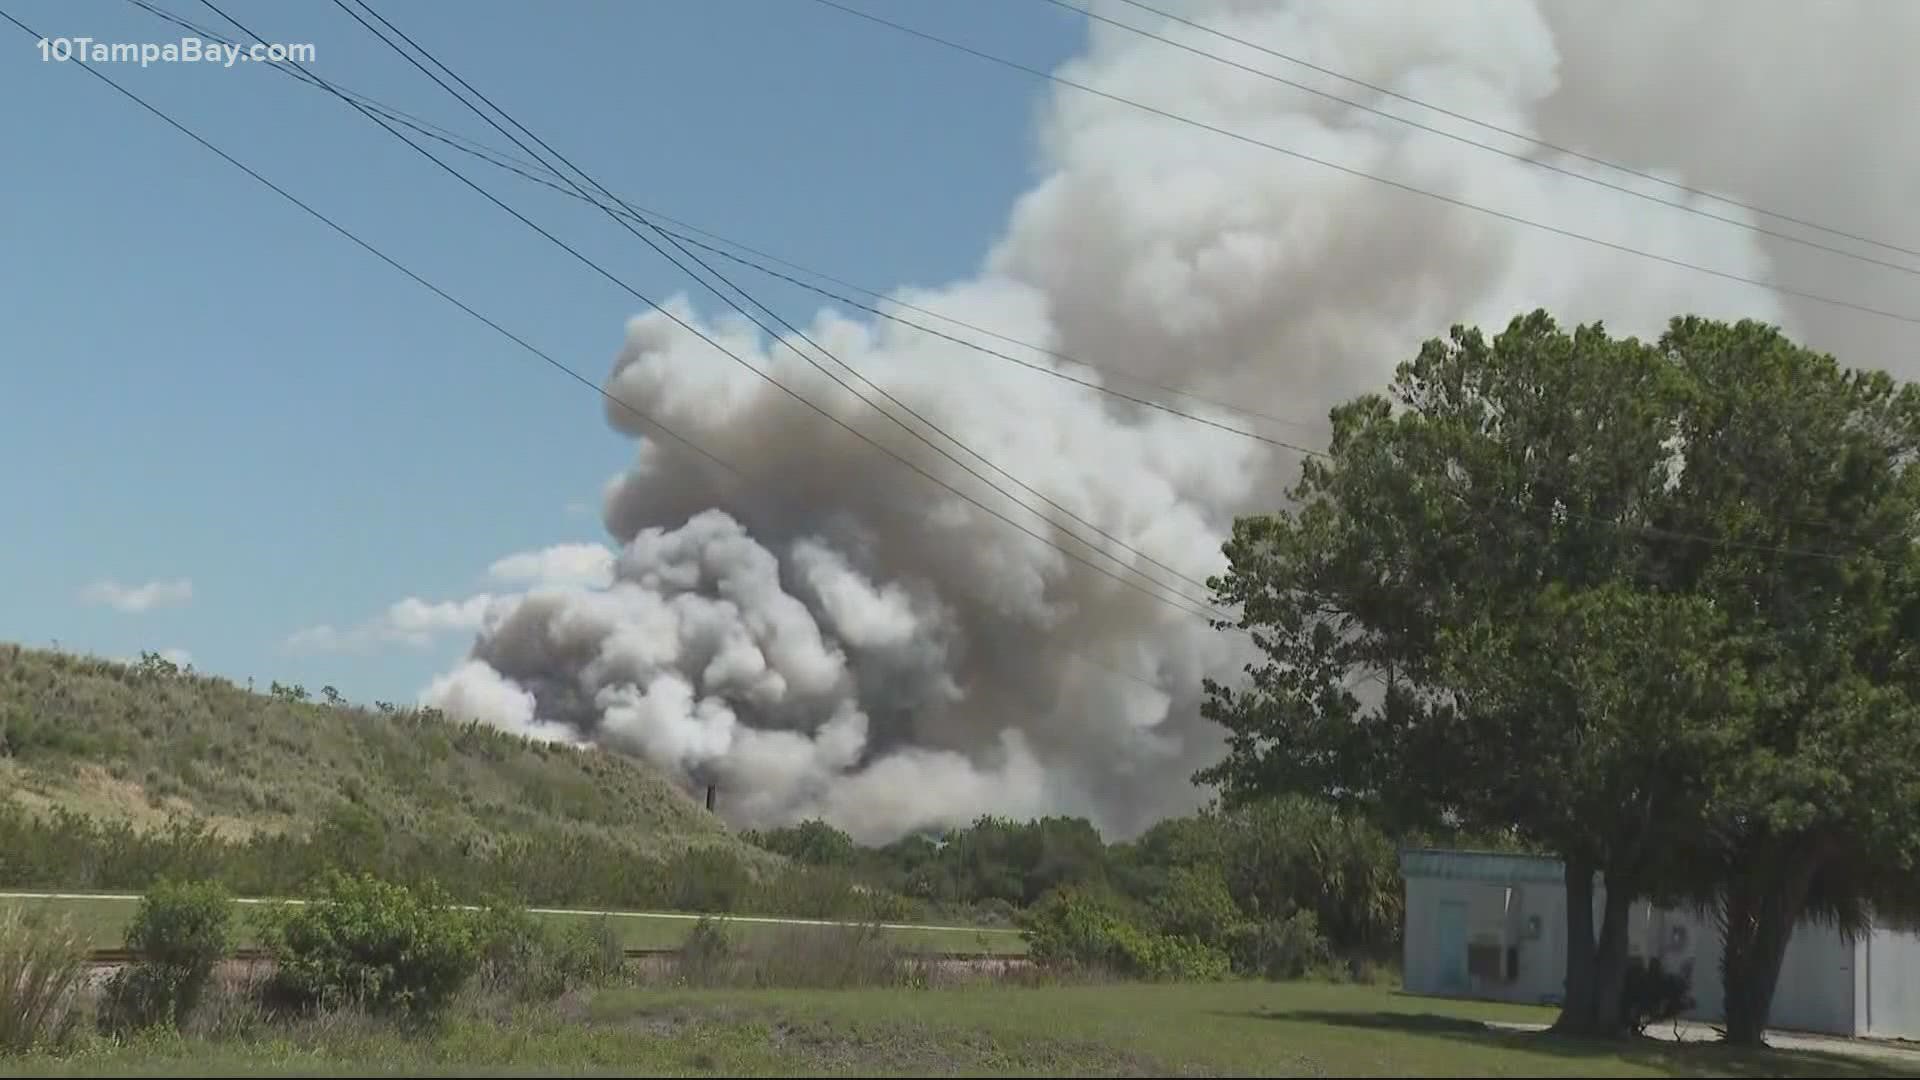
(42, 972)
(798, 958)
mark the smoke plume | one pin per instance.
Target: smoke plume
(826, 633)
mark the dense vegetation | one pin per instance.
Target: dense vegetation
(1272, 887)
(1647, 605)
(74, 724)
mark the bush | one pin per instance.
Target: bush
(179, 932)
(707, 955)
(373, 944)
(1195, 903)
(813, 843)
(515, 953)
(1171, 959)
(709, 880)
(1279, 949)
(42, 968)
(828, 958)
(1079, 930)
(1297, 853)
(525, 958)
(1652, 995)
(591, 953)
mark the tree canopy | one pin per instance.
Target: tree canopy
(1644, 604)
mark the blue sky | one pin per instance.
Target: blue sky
(203, 385)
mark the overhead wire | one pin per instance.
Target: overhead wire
(542, 174)
(533, 172)
(365, 245)
(1647, 530)
(1569, 515)
(1522, 136)
(1086, 9)
(1349, 170)
(1202, 609)
(785, 323)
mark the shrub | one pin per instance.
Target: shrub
(707, 955)
(1279, 948)
(813, 894)
(524, 957)
(1172, 959)
(1079, 930)
(1296, 852)
(828, 958)
(813, 843)
(179, 932)
(1652, 995)
(516, 953)
(591, 953)
(708, 879)
(374, 944)
(42, 968)
(1195, 903)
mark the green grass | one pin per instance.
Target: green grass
(1297, 1029)
(104, 921)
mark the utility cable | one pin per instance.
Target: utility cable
(1464, 140)
(774, 335)
(542, 174)
(1535, 140)
(444, 295)
(1361, 173)
(1203, 609)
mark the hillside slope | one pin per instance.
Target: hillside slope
(145, 744)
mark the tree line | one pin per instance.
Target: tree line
(1649, 606)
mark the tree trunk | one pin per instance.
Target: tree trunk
(1610, 960)
(1577, 1007)
(1761, 911)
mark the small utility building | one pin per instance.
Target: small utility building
(1489, 925)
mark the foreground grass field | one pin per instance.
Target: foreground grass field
(104, 921)
(1300, 1029)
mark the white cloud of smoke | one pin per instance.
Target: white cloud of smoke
(831, 635)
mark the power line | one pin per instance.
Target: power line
(1361, 173)
(544, 175)
(534, 172)
(1204, 609)
(789, 326)
(1524, 137)
(1489, 147)
(1645, 530)
(1483, 508)
(368, 247)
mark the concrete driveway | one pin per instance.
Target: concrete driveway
(1906, 1055)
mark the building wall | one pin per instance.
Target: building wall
(1890, 960)
(1497, 916)
(1826, 985)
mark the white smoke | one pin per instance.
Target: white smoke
(828, 633)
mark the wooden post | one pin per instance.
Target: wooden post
(710, 790)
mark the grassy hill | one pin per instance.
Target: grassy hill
(145, 744)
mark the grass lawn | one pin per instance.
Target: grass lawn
(104, 920)
(1128, 1030)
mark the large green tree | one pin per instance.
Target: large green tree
(1458, 625)
(1795, 508)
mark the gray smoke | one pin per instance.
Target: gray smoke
(830, 634)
